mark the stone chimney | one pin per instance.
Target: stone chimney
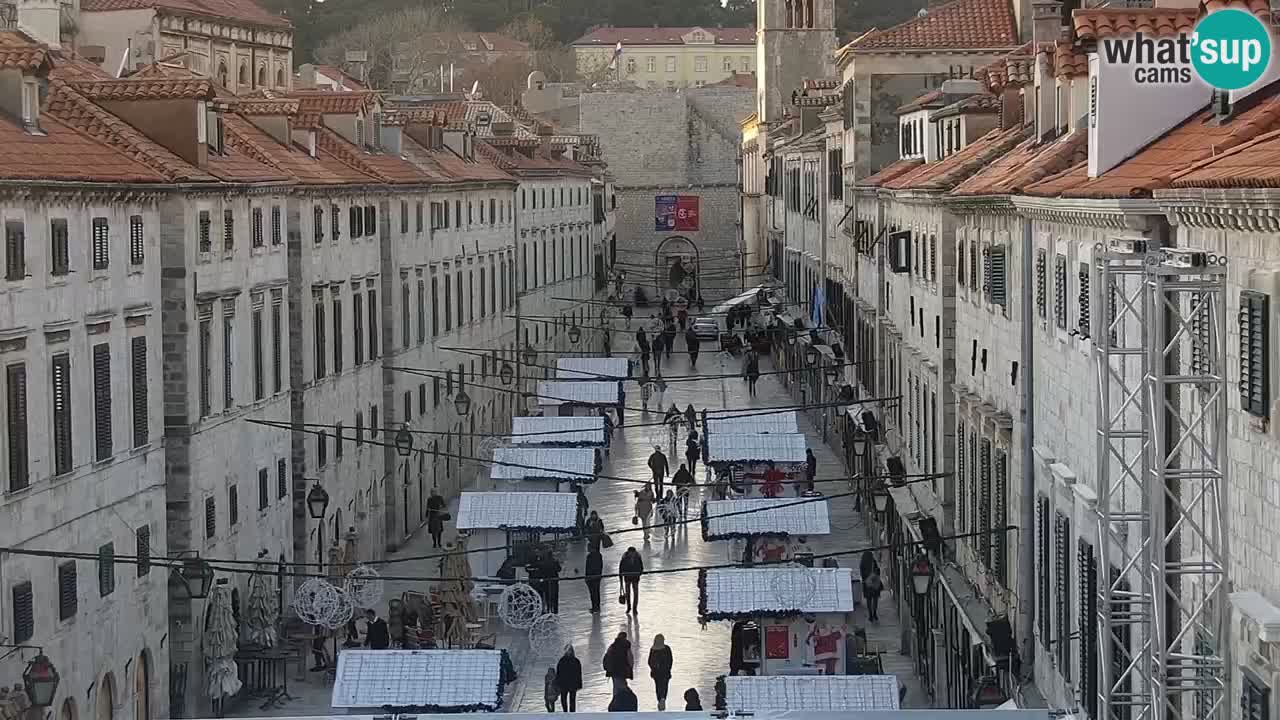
(41, 19)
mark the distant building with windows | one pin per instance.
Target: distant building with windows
(667, 57)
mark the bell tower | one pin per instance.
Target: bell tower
(795, 40)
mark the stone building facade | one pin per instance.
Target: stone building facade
(666, 57)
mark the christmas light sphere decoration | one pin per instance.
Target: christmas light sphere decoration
(546, 636)
(520, 606)
(484, 452)
(313, 600)
(364, 585)
(338, 611)
(794, 586)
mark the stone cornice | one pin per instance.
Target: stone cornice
(980, 204)
(1243, 209)
(1118, 214)
(112, 193)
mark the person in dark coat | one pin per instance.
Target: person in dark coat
(694, 345)
(691, 417)
(683, 480)
(584, 506)
(536, 579)
(658, 342)
(376, 635)
(866, 564)
(691, 451)
(624, 700)
(631, 567)
(551, 577)
(810, 468)
(872, 588)
(752, 371)
(593, 573)
(642, 344)
(692, 703)
(569, 680)
(659, 466)
(594, 531)
(435, 517)
(669, 337)
(618, 662)
(660, 662)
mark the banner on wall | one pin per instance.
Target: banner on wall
(777, 642)
(676, 213)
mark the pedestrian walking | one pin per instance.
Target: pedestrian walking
(551, 577)
(659, 467)
(669, 511)
(872, 588)
(682, 316)
(569, 679)
(691, 417)
(810, 468)
(692, 343)
(436, 516)
(549, 690)
(376, 635)
(645, 500)
(618, 662)
(319, 651)
(866, 564)
(631, 567)
(592, 575)
(646, 392)
(669, 337)
(594, 531)
(659, 392)
(642, 344)
(684, 482)
(692, 703)
(584, 507)
(692, 449)
(624, 700)
(626, 314)
(660, 662)
(659, 340)
(752, 371)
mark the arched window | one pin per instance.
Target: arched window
(262, 76)
(106, 698)
(222, 73)
(142, 687)
(68, 711)
(280, 77)
(808, 12)
(789, 11)
(243, 77)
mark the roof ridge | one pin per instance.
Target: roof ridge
(1229, 152)
(329, 141)
(244, 143)
(947, 13)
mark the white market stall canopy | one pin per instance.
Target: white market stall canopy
(517, 510)
(738, 593)
(436, 680)
(811, 692)
(728, 519)
(579, 392)
(783, 422)
(785, 449)
(592, 368)
(564, 430)
(544, 463)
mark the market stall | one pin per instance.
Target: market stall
(578, 397)
(741, 460)
(570, 432)
(826, 693)
(779, 422)
(787, 620)
(555, 464)
(593, 368)
(765, 529)
(419, 681)
(502, 525)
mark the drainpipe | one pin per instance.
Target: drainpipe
(1026, 558)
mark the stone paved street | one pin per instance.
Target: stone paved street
(668, 602)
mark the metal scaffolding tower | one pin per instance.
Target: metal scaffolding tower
(1161, 365)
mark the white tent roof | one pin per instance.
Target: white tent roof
(775, 423)
(582, 392)
(766, 516)
(400, 678)
(592, 368)
(754, 591)
(544, 463)
(811, 692)
(788, 448)
(547, 510)
(559, 430)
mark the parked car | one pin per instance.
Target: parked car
(706, 329)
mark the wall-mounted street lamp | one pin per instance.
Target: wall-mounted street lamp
(404, 441)
(921, 575)
(506, 374)
(462, 403)
(193, 578)
(575, 334)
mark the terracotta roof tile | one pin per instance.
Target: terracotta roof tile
(65, 154)
(1157, 22)
(67, 65)
(79, 112)
(951, 170)
(444, 165)
(1155, 166)
(265, 108)
(611, 36)
(1069, 60)
(1254, 164)
(889, 172)
(738, 79)
(19, 52)
(245, 11)
(324, 169)
(1026, 164)
(386, 168)
(243, 161)
(983, 104)
(145, 89)
(930, 98)
(975, 24)
(327, 102)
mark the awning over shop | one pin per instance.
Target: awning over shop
(438, 680)
(544, 463)
(785, 449)
(560, 392)
(592, 368)
(738, 593)
(748, 694)
(558, 430)
(517, 510)
(752, 517)
(782, 422)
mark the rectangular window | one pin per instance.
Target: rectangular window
(1255, 353)
(138, 381)
(15, 244)
(337, 334)
(101, 244)
(1087, 580)
(359, 428)
(373, 421)
(435, 306)
(408, 406)
(1062, 601)
(320, 330)
(24, 624)
(317, 225)
(1041, 281)
(60, 379)
(206, 361)
(457, 297)
(422, 398)
(337, 441)
(404, 217)
(417, 217)
(370, 220)
(205, 242)
(68, 590)
(1043, 616)
(264, 489)
(1060, 290)
(1082, 298)
(483, 311)
(406, 318)
(210, 518)
(228, 230)
(142, 549)
(228, 352)
(322, 449)
(277, 378)
(282, 478)
(106, 569)
(357, 326)
(137, 240)
(277, 231)
(1000, 519)
(59, 252)
(257, 236)
(259, 381)
(493, 203)
(335, 221)
(448, 300)
(373, 325)
(471, 297)
(422, 311)
(355, 221)
(984, 503)
(233, 506)
(16, 424)
(1255, 698)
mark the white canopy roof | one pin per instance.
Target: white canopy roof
(592, 368)
(401, 678)
(566, 430)
(581, 392)
(811, 692)
(788, 448)
(544, 463)
(765, 516)
(775, 423)
(753, 591)
(546, 510)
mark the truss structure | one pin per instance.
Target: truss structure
(1161, 368)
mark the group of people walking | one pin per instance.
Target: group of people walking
(563, 681)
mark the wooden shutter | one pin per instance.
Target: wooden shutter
(1082, 312)
(60, 380)
(1060, 290)
(320, 350)
(24, 623)
(68, 590)
(228, 352)
(338, 441)
(1043, 613)
(282, 478)
(317, 224)
(259, 382)
(1000, 513)
(277, 231)
(985, 503)
(277, 377)
(102, 401)
(264, 489)
(422, 311)
(404, 217)
(962, 484)
(335, 221)
(355, 219)
(16, 425)
(1087, 564)
(322, 449)
(370, 220)
(15, 249)
(206, 351)
(101, 244)
(106, 569)
(138, 387)
(406, 316)
(210, 517)
(257, 236)
(137, 240)
(999, 276)
(228, 230)
(1255, 347)
(1041, 279)
(233, 506)
(1061, 590)
(357, 323)
(1255, 698)
(373, 324)
(59, 251)
(142, 549)
(1199, 338)
(205, 241)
